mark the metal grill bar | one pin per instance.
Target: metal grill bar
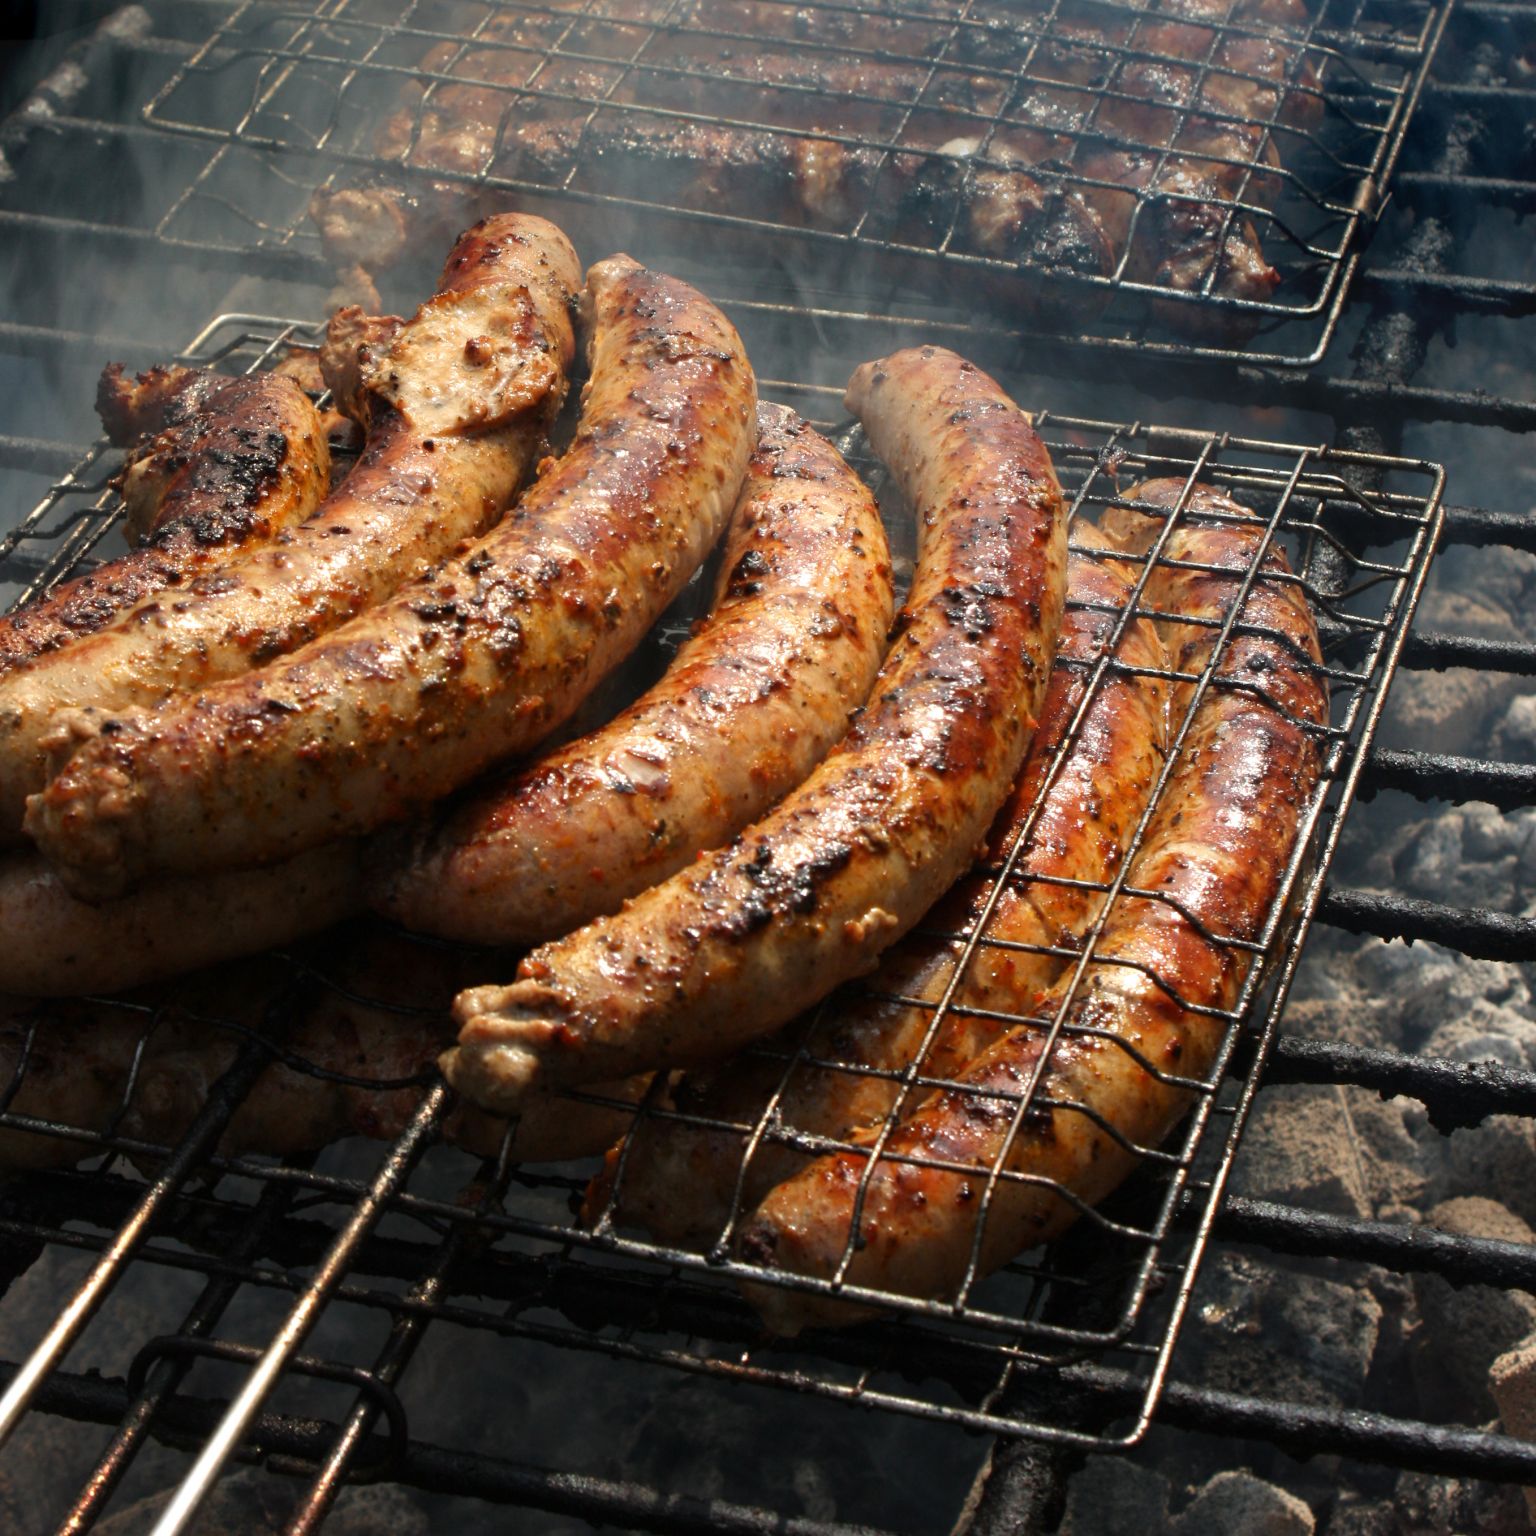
(200, 1138)
(1474, 931)
(186, 1421)
(1440, 776)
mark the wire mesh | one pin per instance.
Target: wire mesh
(271, 1061)
(1193, 176)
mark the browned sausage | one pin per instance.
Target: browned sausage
(474, 662)
(58, 946)
(452, 436)
(750, 705)
(216, 465)
(680, 1181)
(1136, 1030)
(810, 896)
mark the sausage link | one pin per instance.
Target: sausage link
(216, 465)
(1215, 852)
(752, 702)
(421, 486)
(680, 1181)
(733, 946)
(59, 946)
(472, 663)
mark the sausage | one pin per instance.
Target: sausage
(217, 465)
(733, 946)
(475, 661)
(423, 484)
(752, 702)
(58, 946)
(1136, 1028)
(680, 1181)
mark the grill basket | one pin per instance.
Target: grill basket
(922, 149)
(1069, 1345)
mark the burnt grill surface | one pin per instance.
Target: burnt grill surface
(268, 1228)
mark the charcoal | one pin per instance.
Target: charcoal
(1238, 1501)
(1114, 1497)
(1513, 737)
(1300, 1149)
(251, 1502)
(1256, 1328)
(1434, 1506)
(1456, 705)
(1448, 994)
(1466, 1329)
(1496, 1158)
(1488, 1032)
(1512, 1380)
(1361, 1517)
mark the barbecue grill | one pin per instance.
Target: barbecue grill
(1068, 1350)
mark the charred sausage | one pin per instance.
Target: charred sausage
(1136, 1029)
(750, 705)
(470, 664)
(452, 436)
(216, 465)
(680, 1181)
(810, 896)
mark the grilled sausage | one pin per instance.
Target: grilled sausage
(750, 705)
(1136, 1027)
(439, 466)
(680, 1181)
(473, 662)
(217, 465)
(1144, 141)
(737, 943)
(58, 946)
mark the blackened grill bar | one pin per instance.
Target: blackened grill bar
(1462, 1093)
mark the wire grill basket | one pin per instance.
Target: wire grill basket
(1194, 176)
(473, 1239)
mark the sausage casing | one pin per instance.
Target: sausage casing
(417, 490)
(1215, 851)
(681, 1181)
(59, 946)
(216, 465)
(740, 941)
(475, 661)
(751, 703)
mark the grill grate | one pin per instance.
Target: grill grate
(539, 1276)
(1092, 156)
(168, 250)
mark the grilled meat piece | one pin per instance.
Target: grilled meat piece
(58, 946)
(421, 486)
(1137, 144)
(737, 943)
(477, 660)
(682, 1182)
(216, 465)
(1137, 1025)
(351, 1061)
(752, 702)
